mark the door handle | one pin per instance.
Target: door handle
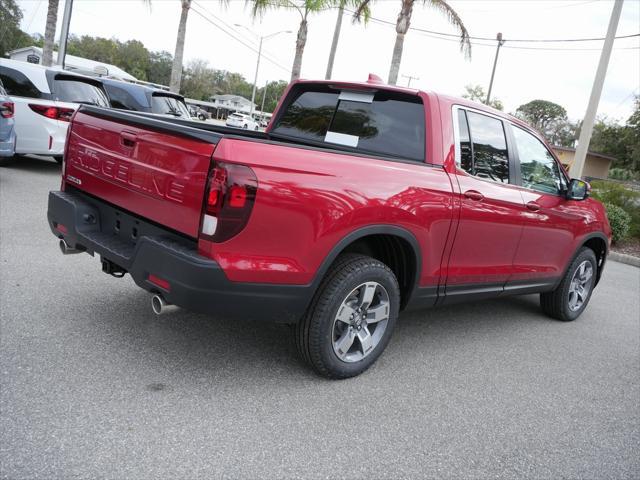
(533, 206)
(128, 139)
(473, 195)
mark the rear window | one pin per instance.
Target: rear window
(17, 84)
(77, 91)
(384, 123)
(121, 98)
(166, 105)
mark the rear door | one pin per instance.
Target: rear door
(491, 220)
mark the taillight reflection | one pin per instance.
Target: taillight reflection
(53, 112)
(7, 109)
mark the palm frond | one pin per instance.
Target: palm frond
(363, 10)
(260, 7)
(456, 21)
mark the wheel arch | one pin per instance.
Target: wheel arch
(395, 246)
(599, 243)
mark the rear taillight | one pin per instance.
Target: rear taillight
(52, 112)
(7, 109)
(231, 193)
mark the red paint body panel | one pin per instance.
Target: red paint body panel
(309, 199)
(158, 176)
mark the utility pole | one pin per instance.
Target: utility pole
(64, 34)
(589, 117)
(409, 78)
(264, 96)
(495, 62)
(255, 78)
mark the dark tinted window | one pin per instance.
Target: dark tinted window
(16, 83)
(538, 168)
(167, 105)
(122, 99)
(68, 89)
(385, 123)
(489, 147)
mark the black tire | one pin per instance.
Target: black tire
(6, 161)
(245, 126)
(556, 303)
(58, 158)
(314, 332)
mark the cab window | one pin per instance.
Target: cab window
(483, 146)
(538, 168)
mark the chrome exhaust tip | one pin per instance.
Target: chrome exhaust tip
(160, 306)
(66, 249)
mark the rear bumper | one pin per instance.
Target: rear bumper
(195, 282)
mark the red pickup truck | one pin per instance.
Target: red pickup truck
(360, 200)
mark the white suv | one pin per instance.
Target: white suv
(240, 120)
(45, 98)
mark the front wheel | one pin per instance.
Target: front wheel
(572, 296)
(351, 319)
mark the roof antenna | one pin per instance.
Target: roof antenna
(373, 78)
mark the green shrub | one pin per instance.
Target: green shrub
(623, 174)
(621, 196)
(619, 220)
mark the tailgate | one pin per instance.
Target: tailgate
(141, 166)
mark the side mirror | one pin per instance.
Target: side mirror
(578, 189)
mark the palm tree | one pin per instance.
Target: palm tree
(358, 4)
(50, 33)
(402, 26)
(176, 69)
(304, 8)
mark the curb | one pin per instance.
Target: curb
(624, 258)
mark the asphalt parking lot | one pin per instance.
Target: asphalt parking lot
(95, 385)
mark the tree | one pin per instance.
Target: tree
(176, 70)
(11, 36)
(199, 80)
(548, 118)
(402, 27)
(477, 94)
(50, 33)
(160, 65)
(304, 8)
(358, 4)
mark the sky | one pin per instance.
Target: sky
(561, 72)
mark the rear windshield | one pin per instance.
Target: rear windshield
(77, 91)
(166, 105)
(384, 123)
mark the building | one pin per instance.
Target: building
(596, 165)
(73, 63)
(232, 103)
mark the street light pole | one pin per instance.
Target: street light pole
(255, 78)
(495, 62)
(589, 117)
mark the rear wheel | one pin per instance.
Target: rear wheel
(571, 297)
(351, 319)
(245, 126)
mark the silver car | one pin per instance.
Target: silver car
(7, 130)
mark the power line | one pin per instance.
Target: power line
(231, 34)
(546, 40)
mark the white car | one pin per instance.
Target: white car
(240, 120)
(45, 98)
